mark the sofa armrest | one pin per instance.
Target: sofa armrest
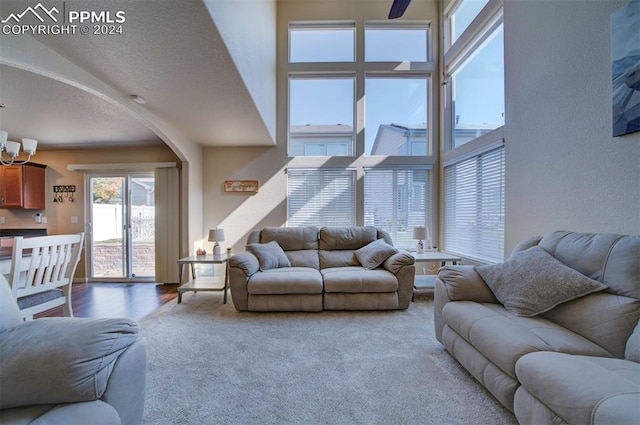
(246, 262)
(241, 267)
(62, 359)
(463, 283)
(127, 384)
(398, 260)
(457, 283)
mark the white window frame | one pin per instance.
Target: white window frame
(321, 25)
(427, 202)
(319, 76)
(484, 24)
(322, 198)
(358, 161)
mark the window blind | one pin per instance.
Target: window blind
(323, 197)
(397, 200)
(474, 206)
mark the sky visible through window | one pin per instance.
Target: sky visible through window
(401, 100)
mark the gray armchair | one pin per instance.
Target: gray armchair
(66, 370)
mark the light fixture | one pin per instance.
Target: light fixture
(421, 233)
(216, 235)
(12, 149)
(137, 99)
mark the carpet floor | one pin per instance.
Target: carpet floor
(209, 364)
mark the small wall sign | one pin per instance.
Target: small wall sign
(250, 186)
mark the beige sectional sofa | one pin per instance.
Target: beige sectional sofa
(564, 352)
(314, 269)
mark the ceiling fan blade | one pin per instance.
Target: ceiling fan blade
(397, 8)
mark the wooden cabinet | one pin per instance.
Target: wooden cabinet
(22, 186)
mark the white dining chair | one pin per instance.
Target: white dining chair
(42, 270)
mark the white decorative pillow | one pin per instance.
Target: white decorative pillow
(375, 253)
(270, 255)
(532, 281)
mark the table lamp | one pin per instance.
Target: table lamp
(420, 233)
(216, 235)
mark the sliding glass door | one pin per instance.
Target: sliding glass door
(121, 226)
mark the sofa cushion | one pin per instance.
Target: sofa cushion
(291, 238)
(608, 258)
(576, 387)
(531, 282)
(358, 279)
(304, 258)
(374, 253)
(270, 255)
(503, 338)
(603, 318)
(632, 349)
(337, 258)
(291, 280)
(352, 238)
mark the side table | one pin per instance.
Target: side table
(428, 281)
(204, 283)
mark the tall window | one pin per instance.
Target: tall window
(323, 89)
(474, 206)
(478, 91)
(474, 119)
(396, 116)
(320, 197)
(463, 14)
(321, 115)
(397, 201)
(318, 42)
(384, 42)
(360, 115)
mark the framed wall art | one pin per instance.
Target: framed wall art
(625, 68)
(246, 186)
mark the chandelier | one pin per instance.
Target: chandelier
(12, 149)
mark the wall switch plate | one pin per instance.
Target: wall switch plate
(74, 219)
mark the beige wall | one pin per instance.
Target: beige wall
(564, 170)
(59, 214)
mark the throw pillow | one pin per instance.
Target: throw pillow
(270, 255)
(532, 281)
(374, 254)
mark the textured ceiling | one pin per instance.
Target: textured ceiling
(170, 53)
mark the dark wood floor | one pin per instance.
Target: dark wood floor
(132, 300)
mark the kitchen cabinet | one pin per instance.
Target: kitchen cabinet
(22, 186)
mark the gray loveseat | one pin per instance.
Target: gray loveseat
(314, 269)
(550, 360)
(66, 370)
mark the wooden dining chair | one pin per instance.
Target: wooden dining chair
(42, 270)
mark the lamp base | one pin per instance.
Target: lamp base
(420, 247)
(217, 250)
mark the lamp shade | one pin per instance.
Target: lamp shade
(29, 146)
(216, 235)
(13, 148)
(420, 233)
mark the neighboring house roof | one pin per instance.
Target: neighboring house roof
(321, 130)
(391, 137)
